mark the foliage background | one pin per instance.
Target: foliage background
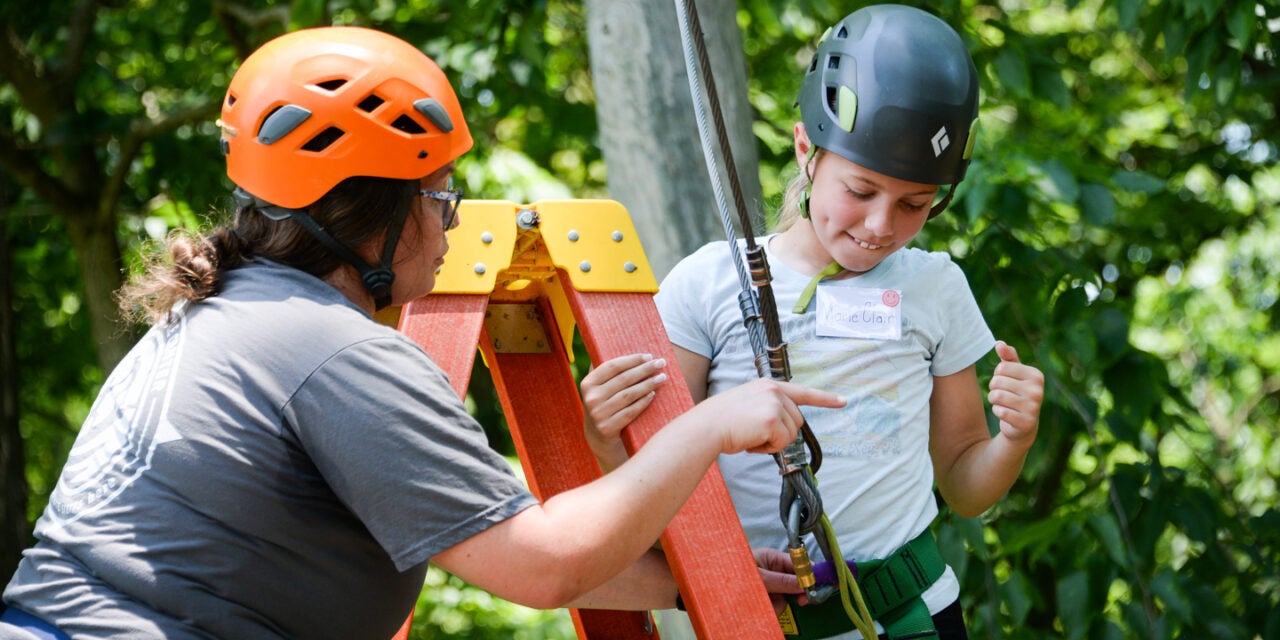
(1118, 226)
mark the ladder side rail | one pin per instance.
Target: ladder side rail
(705, 545)
(458, 316)
(539, 396)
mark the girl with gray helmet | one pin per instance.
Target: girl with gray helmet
(889, 113)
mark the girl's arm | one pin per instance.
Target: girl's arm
(617, 391)
(973, 469)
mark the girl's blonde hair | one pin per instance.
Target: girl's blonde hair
(790, 211)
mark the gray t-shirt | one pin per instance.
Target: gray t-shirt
(271, 464)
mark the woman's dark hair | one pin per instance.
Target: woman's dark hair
(191, 268)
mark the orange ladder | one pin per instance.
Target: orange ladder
(518, 279)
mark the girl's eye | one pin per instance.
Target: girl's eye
(911, 206)
(859, 195)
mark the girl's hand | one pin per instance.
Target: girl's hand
(778, 575)
(1015, 395)
(613, 394)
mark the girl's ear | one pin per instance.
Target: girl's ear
(803, 147)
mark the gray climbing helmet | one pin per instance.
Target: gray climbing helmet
(893, 89)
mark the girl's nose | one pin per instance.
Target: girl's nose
(879, 220)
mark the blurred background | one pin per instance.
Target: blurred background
(1119, 226)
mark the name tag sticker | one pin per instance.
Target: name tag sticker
(852, 312)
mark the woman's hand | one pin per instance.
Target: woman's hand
(761, 416)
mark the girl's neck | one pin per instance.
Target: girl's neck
(800, 250)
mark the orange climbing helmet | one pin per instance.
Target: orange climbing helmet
(314, 107)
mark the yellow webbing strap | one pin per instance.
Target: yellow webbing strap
(861, 617)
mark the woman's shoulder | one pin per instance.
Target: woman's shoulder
(287, 307)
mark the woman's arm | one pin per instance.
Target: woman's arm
(974, 470)
(556, 553)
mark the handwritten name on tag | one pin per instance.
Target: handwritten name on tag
(852, 312)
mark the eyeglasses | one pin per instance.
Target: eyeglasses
(451, 197)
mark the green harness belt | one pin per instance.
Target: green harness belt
(892, 589)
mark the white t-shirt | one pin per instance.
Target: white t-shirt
(876, 479)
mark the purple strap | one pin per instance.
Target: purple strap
(825, 572)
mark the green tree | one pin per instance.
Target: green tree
(1117, 227)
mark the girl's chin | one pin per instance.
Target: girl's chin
(862, 263)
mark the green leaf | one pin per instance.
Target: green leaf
(1073, 608)
(1070, 307)
(1108, 530)
(1226, 77)
(1037, 539)
(1059, 183)
(1175, 38)
(1049, 84)
(1165, 586)
(972, 531)
(951, 545)
(1138, 182)
(1135, 392)
(1012, 206)
(1017, 595)
(1011, 68)
(306, 13)
(1207, 8)
(1241, 22)
(1127, 13)
(1111, 330)
(1097, 204)
(977, 200)
(1197, 514)
(1198, 58)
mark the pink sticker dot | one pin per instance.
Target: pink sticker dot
(890, 298)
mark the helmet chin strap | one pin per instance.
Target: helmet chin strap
(377, 280)
(942, 204)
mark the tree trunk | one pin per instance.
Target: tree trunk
(13, 480)
(101, 266)
(648, 130)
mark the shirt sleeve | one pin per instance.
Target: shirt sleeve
(398, 448)
(681, 304)
(967, 337)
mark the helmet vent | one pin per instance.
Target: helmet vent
(281, 122)
(231, 100)
(369, 104)
(832, 101)
(332, 85)
(833, 62)
(323, 140)
(407, 125)
(843, 32)
(813, 63)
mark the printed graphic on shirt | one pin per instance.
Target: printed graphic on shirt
(126, 424)
(870, 425)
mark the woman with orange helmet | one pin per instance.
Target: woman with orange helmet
(269, 462)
